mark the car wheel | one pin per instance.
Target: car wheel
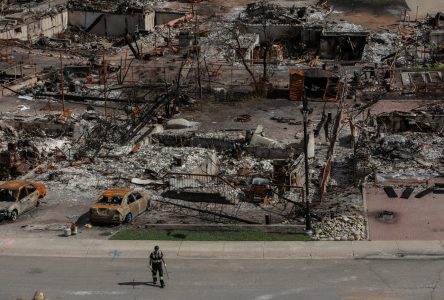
(128, 218)
(13, 216)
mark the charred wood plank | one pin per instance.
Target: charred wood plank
(390, 191)
(424, 192)
(407, 192)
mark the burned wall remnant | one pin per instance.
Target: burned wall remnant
(318, 84)
(30, 28)
(110, 19)
(163, 17)
(437, 37)
(345, 46)
(422, 81)
(247, 43)
(289, 172)
(109, 24)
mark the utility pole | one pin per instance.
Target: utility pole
(305, 112)
(104, 88)
(197, 48)
(62, 83)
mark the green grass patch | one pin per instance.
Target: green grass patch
(240, 234)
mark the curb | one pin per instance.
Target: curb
(89, 248)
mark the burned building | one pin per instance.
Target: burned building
(164, 16)
(306, 29)
(110, 19)
(27, 26)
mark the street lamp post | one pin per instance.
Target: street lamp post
(305, 112)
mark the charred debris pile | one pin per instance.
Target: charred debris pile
(136, 85)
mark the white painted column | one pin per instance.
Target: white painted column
(311, 140)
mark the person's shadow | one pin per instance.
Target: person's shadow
(137, 283)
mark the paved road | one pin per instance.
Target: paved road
(119, 278)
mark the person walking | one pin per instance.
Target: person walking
(156, 260)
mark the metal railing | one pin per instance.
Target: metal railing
(202, 183)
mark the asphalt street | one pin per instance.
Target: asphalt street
(120, 278)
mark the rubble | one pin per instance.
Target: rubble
(124, 6)
(343, 228)
(380, 46)
(276, 14)
(173, 101)
(180, 124)
(342, 219)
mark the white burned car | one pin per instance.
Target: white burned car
(18, 197)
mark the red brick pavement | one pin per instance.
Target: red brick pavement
(415, 219)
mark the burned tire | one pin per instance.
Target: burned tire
(13, 216)
(128, 218)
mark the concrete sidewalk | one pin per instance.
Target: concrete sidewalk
(65, 247)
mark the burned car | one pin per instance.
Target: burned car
(18, 197)
(119, 205)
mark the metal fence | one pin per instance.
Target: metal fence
(202, 183)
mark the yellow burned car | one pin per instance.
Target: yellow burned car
(119, 205)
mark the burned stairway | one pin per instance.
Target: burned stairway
(149, 112)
